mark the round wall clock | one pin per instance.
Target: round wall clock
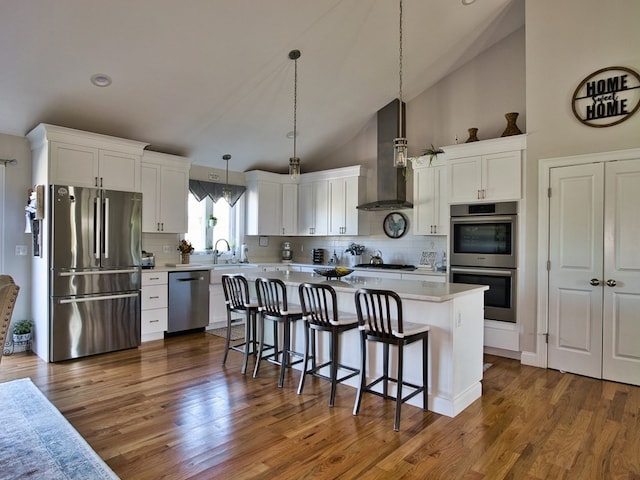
(395, 225)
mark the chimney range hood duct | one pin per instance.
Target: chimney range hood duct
(391, 193)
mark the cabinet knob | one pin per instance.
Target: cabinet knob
(611, 282)
(595, 282)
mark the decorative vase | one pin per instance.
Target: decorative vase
(512, 128)
(473, 135)
(185, 257)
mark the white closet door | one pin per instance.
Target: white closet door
(576, 257)
(621, 316)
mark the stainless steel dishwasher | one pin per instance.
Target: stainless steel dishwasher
(188, 300)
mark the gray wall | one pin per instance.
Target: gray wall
(17, 183)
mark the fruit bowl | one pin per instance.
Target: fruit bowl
(336, 272)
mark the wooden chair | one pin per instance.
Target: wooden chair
(320, 313)
(237, 300)
(8, 295)
(380, 319)
(273, 305)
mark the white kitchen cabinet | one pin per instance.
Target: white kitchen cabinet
(425, 277)
(488, 170)
(271, 207)
(83, 159)
(345, 192)
(154, 305)
(165, 189)
(312, 207)
(430, 205)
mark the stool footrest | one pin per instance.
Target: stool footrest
(416, 389)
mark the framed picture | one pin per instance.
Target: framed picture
(395, 225)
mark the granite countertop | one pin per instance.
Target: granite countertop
(407, 289)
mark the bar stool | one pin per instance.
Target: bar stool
(236, 296)
(380, 320)
(320, 313)
(273, 305)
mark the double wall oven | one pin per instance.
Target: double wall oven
(483, 251)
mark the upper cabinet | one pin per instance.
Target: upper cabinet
(322, 203)
(165, 189)
(345, 192)
(430, 206)
(272, 204)
(312, 206)
(488, 170)
(72, 157)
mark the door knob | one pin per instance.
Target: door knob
(595, 282)
(611, 282)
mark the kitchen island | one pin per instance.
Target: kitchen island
(455, 314)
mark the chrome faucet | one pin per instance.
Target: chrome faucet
(217, 253)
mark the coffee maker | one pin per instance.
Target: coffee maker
(287, 253)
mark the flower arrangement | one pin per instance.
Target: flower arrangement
(185, 247)
(355, 249)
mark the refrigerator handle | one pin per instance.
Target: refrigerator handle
(97, 222)
(106, 227)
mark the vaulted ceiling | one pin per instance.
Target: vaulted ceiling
(202, 78)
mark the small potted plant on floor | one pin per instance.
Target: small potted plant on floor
(22, 331)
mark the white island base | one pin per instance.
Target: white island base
(455, 314)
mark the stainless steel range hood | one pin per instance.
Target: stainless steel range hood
(391, 193)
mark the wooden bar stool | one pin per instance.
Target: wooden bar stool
(273, 305)
(320, 313)
(380, 320)
(237, 300)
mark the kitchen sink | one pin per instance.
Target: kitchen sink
(386, 266)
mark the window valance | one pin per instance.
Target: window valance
(201, 189)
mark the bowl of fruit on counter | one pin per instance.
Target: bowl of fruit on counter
(335, 272)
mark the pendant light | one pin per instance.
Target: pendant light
(294, 162)
(226, 191)
(400, 143)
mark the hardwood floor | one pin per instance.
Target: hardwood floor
(170, 410)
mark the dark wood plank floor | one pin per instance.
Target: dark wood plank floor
(169, 410)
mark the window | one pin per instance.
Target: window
(202, 235)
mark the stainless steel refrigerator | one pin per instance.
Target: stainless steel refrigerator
(95, 271)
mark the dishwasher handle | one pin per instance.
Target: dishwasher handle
(190, 279)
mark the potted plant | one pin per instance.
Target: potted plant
(22, 331)
(185, 248)
(433, 153)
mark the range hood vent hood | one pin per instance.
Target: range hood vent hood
(391, 193)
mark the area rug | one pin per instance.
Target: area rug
(237, 332)
(36, 441)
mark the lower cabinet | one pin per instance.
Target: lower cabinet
(154, 305)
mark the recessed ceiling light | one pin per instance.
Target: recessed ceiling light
(101, 80)
(468, 2)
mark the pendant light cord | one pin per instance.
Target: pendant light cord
(400, 74)
(295, 100)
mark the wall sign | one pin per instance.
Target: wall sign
(607, 97)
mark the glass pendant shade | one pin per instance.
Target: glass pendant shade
(294, 167)
(226, 194)
(400, 152)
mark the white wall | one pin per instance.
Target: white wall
(17, 183)
(562, 48)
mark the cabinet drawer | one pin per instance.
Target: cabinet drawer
(153, 321)
(154, 278)
(154, 296)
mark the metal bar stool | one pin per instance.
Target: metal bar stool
(237, 300)
(380, 320)
(273, 305)
(320, 313)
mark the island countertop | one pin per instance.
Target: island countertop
(406, 289)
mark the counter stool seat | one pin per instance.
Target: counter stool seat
(273, 305)
(320, 313)
(380, 319)
(238, 302)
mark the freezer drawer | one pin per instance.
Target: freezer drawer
(188, 300)
(88, 325)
